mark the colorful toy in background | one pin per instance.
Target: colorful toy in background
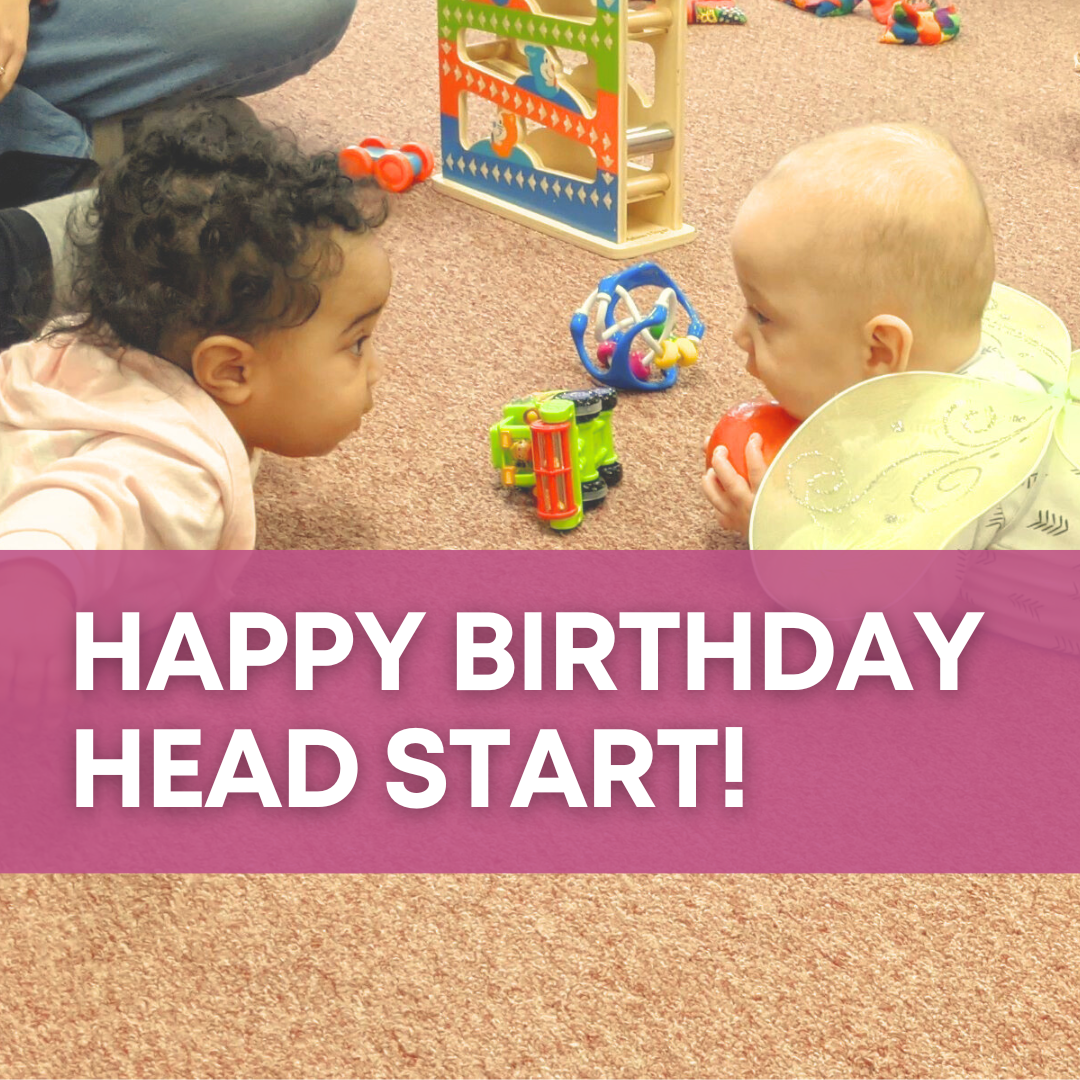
(393, 169)
(634, 351)
(577, 148)
(824, 8)
(713, 12)
(765, 418)
(923, 22)
(906, 22)
(560, 444)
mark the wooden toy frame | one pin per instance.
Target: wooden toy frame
(561, 158)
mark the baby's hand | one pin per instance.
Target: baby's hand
(730, 495)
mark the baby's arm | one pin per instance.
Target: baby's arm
(118, 493)
(121, 493)
(731, 496)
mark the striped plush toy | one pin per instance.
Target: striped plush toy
(922, 22)
(907, 22)
(824, 7)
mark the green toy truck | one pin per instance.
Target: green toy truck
(560, 444)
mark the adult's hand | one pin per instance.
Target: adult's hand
(14, 33)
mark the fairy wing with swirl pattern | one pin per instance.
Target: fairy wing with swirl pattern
(909, 460)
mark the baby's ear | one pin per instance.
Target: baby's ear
(889, 341)
(223, 366)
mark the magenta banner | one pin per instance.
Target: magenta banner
(542, 711)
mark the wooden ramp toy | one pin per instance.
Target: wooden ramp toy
(577, 149)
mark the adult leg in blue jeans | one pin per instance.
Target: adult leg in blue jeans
(91, 59)
(88, 60)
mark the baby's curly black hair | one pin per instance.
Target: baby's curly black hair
(211, 223)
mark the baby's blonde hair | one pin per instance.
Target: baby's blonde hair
(906, 215)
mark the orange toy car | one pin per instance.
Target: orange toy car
(394, 170)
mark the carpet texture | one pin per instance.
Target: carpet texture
(546, 976)
(481, 307)
(590, 976)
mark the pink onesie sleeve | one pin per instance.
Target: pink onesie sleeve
(103, 451)
(121, 493)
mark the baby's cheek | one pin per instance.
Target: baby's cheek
(765, 370)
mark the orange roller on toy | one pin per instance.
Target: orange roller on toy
(394, 170)
(426, 156)
(355, 162)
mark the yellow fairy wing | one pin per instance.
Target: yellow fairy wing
(1074, 376)
(1068, 425)
(1028, 333)
(902, 461)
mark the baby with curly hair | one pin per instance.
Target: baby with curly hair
(228, 289)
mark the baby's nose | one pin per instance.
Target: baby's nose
(375, 366)
(741, 334)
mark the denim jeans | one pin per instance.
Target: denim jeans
(91, 59)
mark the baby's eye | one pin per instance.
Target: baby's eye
(357, 346)
(758, 317)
